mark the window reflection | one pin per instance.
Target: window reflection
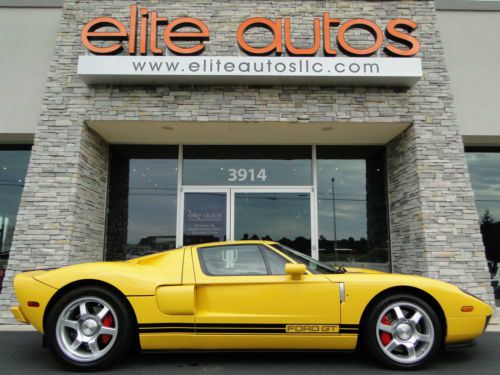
(247, 165)
(282, 217)
(13, 166)
(484, 170)
(352, 212)
(143, 201)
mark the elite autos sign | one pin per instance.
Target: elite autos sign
(176, 57)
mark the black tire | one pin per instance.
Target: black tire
(377, 345)
(120, 344)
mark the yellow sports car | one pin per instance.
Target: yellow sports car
(242, 295)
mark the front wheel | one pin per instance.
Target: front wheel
(403, 332)
(88, 329)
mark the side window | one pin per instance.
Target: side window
(276, 262)
(232, 260)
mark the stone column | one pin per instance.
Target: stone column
(434, 223)
(62, 212)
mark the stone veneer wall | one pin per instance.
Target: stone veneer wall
(434, 226)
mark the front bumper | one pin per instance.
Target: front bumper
(29, 289)
(488, 318)
(19, 315)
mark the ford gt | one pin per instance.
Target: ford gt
(242, 295)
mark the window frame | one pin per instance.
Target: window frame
(262, 251)
(265, 249)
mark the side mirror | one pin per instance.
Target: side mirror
(295, 270)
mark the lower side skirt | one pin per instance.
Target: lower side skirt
(460, 345)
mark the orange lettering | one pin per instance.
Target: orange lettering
(143, 38)
(327, 22)
(155, 21)
(370, 26)
(302, 51)
(88, 32)
(133, 30)
(274, 27)
(411, 42)
(170, 33)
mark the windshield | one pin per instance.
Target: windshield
(312, 264)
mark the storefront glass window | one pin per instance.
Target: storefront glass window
(282, 217)
(352, 209)
(247, 165)
(142, 201)
(484, 169)
(14, 162)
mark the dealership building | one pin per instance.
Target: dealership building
(362, 133)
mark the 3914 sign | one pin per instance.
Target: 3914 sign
(244, 174)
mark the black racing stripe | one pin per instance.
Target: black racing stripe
(156, 325)
(157, 330)
(242, 330)
(241, 325)
(217, 331)
(236, 330)
(251, 325)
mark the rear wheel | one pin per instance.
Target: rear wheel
(403, 332)
(89, 328)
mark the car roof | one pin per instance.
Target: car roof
(242, 242)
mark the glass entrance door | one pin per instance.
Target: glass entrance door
(273, 216)
(205, 216)
(222, 214)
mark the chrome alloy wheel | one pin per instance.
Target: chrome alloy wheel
(86, 329)
(405, 332)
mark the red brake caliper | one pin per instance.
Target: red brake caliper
(385, 337)
(107, 321)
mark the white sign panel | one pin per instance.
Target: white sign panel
(249, 70)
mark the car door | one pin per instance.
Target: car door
(244, 299)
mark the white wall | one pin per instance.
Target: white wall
(27, 39)
(472, 47)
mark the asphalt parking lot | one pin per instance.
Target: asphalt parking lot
(22, 353)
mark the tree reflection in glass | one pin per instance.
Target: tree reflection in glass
(484, 170)
(352, 212)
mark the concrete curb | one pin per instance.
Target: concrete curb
(16, 327)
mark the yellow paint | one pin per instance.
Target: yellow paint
(147, 311)
(265, 299)
(464, 328)
(27, 288)
(296, 271)
(19, 315)
(171, 288)
(176, 300)
(188, 270)
(140, 276)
